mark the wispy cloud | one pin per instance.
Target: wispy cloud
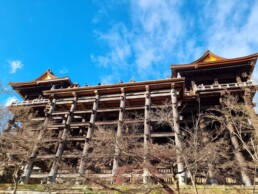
(107, 79)
(158, 33)
(9, 100)
(99, 16)
(232, 27)
(15, 65)
(64, 70)
(147, 43)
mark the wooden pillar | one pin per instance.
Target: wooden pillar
(238, 79)
(180, 164)
(119, 132)
(84, 157)
(60, 133)
(52, 174)
(248, 97)
(238, 154)
(216, 82)
(193, 85)
(28, 168)
(146, 134)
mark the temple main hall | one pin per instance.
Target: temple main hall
(71, 112)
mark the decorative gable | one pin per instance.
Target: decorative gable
(208, 57)
(48, 75)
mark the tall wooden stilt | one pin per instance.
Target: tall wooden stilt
(119, 132)
(60, 133)
(146, 134)
(84, 157)
(180, 165)
(238, 154)
(248, 96)
(28, 168)
(52, 174)
(237, 148)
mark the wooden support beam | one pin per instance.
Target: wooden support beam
(248, 97)
(53, 172)
(119, 132)
(180, 165)
(80, 124)
(238, 154)
(115, 97)
(60, 134)
(146, 134)
(237, 148)
(28, 168)
(88, 138)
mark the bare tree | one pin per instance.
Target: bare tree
(5, 114)
(234, 116)
(5, 117)
(204, 151)
(130, 159)
(17, 143)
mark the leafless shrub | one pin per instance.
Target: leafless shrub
(18, 141)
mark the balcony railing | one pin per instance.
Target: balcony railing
(224, 86)
(30, 102)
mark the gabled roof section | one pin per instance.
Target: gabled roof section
(208, 56)
(210, 60)
(32, 89)
(48, 75)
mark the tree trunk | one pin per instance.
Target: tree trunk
(15, 179)
(194, 183)
(238, 154)
(180, 165)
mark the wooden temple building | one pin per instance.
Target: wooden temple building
(75, 110)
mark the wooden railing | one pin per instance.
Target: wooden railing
(30, 102)
(223, 86)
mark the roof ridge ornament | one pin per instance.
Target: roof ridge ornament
(208, 56)
(50, 71)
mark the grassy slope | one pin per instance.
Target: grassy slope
(83, 189)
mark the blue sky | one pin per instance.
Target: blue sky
(96, 41)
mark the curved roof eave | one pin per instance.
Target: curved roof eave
(215, 63)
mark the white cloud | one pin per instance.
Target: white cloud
(107, 79)
(148, 43)
(99, 16)
(64, 70)
(15, 65)
(9, 100)
(232, 27)
(159, 33)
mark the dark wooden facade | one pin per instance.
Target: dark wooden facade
(75, 110)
